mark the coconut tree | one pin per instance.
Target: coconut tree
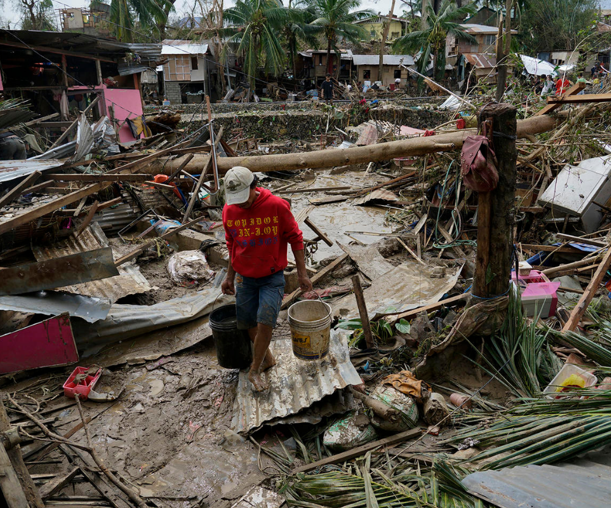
(125, 14)
(430, 40)
(256, 26)
(298, 29)
(335, 20)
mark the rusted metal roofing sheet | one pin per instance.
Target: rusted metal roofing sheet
(50, 273)
(481, 60)
(11, 170)
(294, 384)
(129, 281)
(583, 483)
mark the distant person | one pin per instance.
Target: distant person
(562, 85)
(548, 86)
(397, 83)
(581, 79)
(11, 147)
(327, 90)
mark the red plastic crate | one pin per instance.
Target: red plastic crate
(82, 387)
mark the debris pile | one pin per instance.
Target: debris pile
(465, 270)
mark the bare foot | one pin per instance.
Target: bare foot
(259, 384)
(268, 362)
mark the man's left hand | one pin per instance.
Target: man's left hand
(305, 284)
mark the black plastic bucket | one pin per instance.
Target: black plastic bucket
(233, 346)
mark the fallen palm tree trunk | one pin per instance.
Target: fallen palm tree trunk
(349, 156)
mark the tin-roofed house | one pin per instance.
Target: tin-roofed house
(187, 70)
(367, 68)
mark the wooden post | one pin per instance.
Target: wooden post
(495, 212)
(503, 46)
(360, 301)
(98, 69)
(14, 454)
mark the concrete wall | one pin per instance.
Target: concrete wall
(172, 92)
(388, 74)
(375, 30)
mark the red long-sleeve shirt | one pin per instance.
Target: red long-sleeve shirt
(257, 237)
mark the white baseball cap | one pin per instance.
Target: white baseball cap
(237, 185)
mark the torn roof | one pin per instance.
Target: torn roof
(11, 170)
(180, 47)
(475, 29)
(481, 60)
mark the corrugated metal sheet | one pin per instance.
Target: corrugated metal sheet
(481, 60)
(52, 303)
(129, 281)
(294, 384)
(584, 483)
(129, 69)
(11, 170)
(388, 60)
(376, 195)
(59, 152)
(180, 47)
(84, 138)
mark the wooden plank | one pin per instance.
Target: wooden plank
(131, 167)
(314, 189)
(112, 202)
(289, 299)
(457, 250)
(88, 219)
(362, 306)
(360, 450)
(38, 186)
(303, 214)
(427, 308)
(588, 294)
(411, 252)
(9, 483)
(569, 266)
(115, 177)
(579, 239)
(15, 456)
(146, 245)
(181, 168)
(550, 248)
(200, 181)
(16, 191)
(56, 204)
(575, 89)
(385, 184)
(320, 234)
(580, 99)
(59, 483)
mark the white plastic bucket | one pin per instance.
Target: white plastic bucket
(310, 322)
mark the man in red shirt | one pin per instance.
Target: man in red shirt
(258, 228)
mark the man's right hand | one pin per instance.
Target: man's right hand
(228, 287)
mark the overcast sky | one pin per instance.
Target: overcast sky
(11, 13)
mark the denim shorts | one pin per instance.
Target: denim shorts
(258, 300)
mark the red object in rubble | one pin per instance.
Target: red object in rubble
(428, 133)
(83, 385)
(461, 124)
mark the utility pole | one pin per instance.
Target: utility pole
(383, 42)
(495, 211)
(503, 46)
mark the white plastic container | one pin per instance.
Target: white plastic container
(567, 371)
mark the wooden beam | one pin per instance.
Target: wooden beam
(54, 486)
(56, 204)
(88, 219)
(362, 306)
(314, 189)
(15, 192)
(112, 202)
(579, 239)
(360, 450)
(131, 167)
(580, 99)
(567, 249)
(146, 245)
(575, 89)
(386, 184)
(569, 266)
(289, 299)
(588, 294)
(114, 177)
(39, 186)
(15, 456)
(9, 483)
(427, 308)
(320, 234)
